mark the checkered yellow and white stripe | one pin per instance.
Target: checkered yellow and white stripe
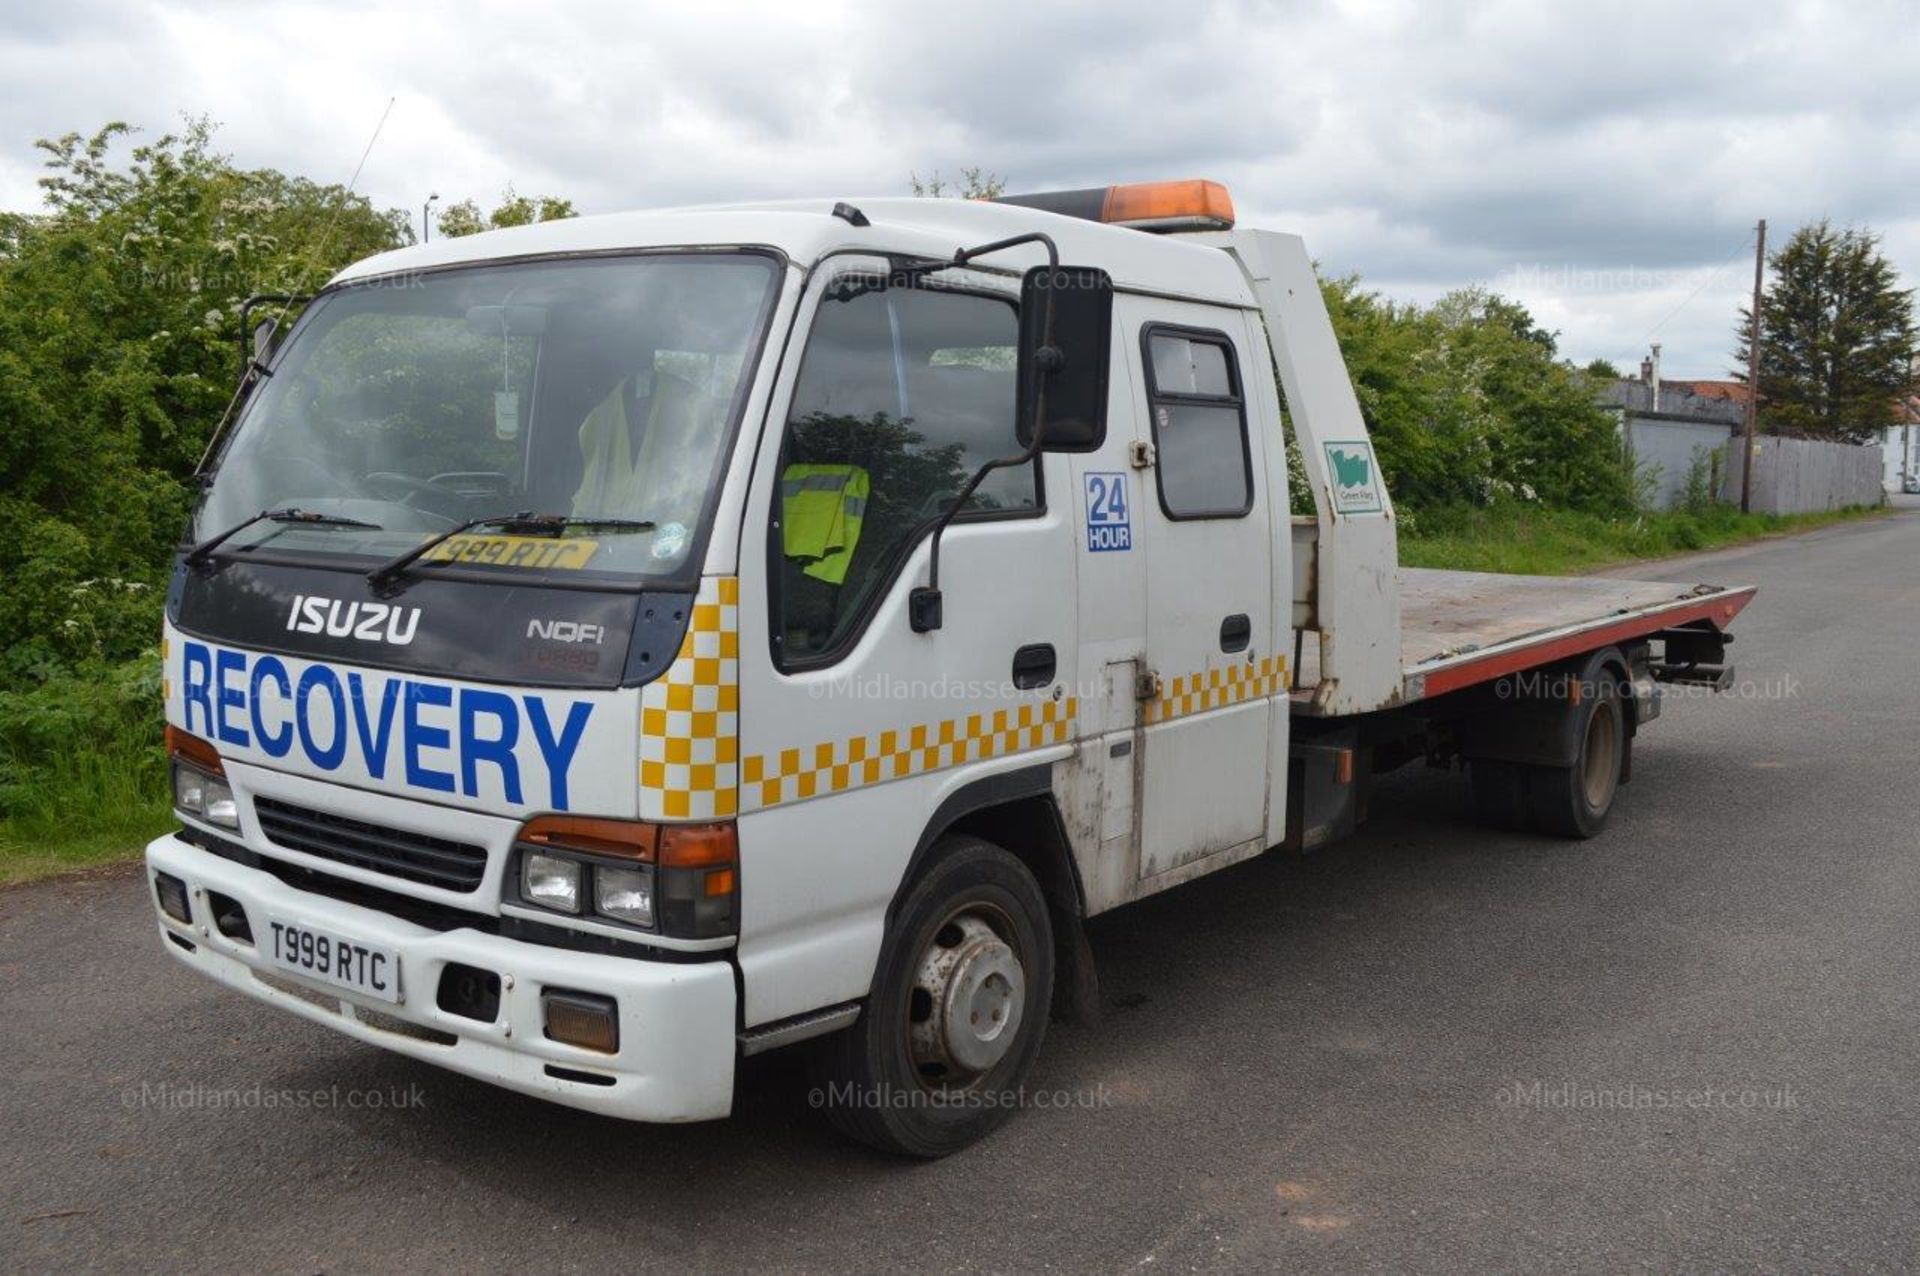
(690, 763)
(1217, 688)
(690, 716)
(793, 775)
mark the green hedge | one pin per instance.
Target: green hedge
(83, 771)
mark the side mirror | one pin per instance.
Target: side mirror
(264, 333)
(1066, 327)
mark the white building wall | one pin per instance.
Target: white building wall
(1664, 451)
(1900, 453)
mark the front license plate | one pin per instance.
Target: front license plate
(320, 953)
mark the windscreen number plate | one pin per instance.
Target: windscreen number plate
(541, 553)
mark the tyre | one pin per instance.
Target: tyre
(957, 1012)
(1574, 801)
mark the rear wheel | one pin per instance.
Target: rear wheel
(1574, 801)
(957, 1012)
(1565, 801)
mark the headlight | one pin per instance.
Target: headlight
(207, 796)
(624, 894)
(550, 882)
(220, 808)
(200, 786)
(681, 880)
(189, 789)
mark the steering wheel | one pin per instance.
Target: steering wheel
(410, 484)
(402, 489)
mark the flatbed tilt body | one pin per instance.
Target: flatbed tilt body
(1459, 629)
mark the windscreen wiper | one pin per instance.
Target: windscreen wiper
(525, 522)
(204, 550)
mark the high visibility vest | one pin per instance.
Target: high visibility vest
(667, 481)
(821, 510)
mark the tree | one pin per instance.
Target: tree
(1837, 337)
(975, 183)
(119, 348)
(465, 217)
(1467, 403)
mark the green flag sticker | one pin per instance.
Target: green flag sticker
(1355, 478)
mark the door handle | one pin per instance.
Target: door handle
(1236, 631)
(1033, 665)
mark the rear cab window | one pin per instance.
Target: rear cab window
(1198, 415)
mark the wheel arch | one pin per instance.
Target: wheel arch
(1525, 718)
(1620, 661)
(1017, 811)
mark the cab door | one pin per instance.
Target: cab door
(1213, 661)
(854, 728)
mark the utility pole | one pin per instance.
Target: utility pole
(1753, 371)
(1912, 400)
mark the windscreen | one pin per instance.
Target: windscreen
(594, 389)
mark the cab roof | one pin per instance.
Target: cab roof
(807, 230)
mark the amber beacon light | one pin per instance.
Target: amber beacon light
(1195, 204)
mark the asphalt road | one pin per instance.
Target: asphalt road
(1693, 1042)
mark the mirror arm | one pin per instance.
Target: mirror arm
(925, 611)
(282, 299)
(923, 604)
(248, 367)
(966, 255)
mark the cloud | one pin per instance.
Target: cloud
(1599, 162)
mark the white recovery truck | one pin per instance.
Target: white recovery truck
(609, 648)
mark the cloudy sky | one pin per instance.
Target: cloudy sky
(1602, 162)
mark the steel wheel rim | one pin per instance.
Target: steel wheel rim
(1598, 773)
(967, 1000)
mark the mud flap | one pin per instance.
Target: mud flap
(1325, 789)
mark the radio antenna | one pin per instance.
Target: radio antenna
(248, 377)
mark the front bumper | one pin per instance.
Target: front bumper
(677, 1019)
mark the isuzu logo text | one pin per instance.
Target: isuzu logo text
(367, 622)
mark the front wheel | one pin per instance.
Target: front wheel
(957, 1012)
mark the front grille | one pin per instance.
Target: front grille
(414, 857)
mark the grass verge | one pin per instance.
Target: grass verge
(1541, 542)
(83, 778)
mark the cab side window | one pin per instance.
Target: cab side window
(903, 393)
(1199, 420)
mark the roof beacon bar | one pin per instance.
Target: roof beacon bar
(1162, 207)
